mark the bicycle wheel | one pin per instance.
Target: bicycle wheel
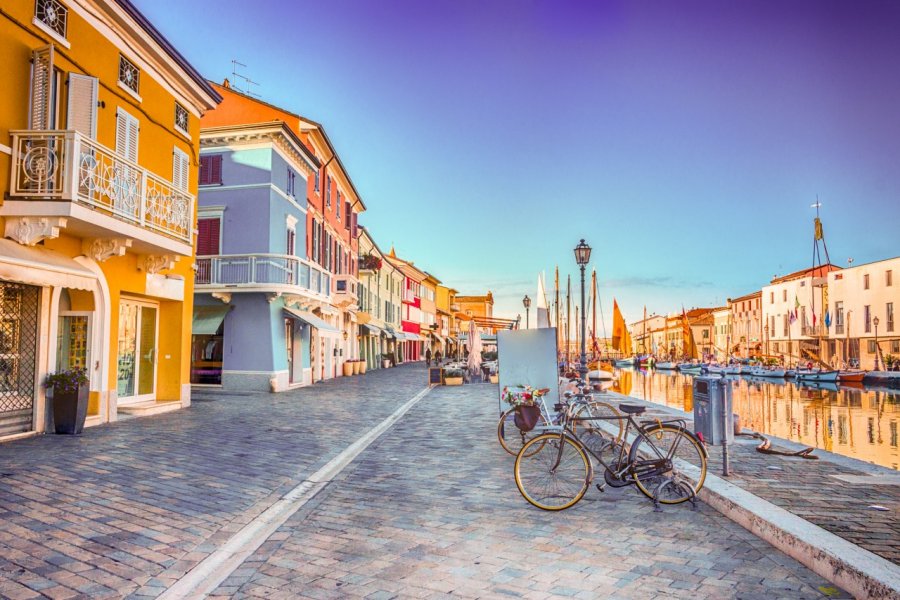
(511, 437)
(609, 428)
(550, 478)
(668, 461)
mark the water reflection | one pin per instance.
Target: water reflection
(853, 420)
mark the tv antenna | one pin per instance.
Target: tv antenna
(247, 82)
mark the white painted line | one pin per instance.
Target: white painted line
(206, 576)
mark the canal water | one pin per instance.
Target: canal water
(860, 422)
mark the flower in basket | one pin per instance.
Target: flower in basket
(521, 395)
(66, 381)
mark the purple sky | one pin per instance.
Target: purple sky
(684, 140)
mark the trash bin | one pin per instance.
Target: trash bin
(713, 419)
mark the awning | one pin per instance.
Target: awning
(207, 319)
(389, 333)
(39, 266)
(410, 337)
(439, 338)
(311, 319)
(370, 329)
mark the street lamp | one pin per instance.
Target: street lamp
(875, 322)
(582, 258)
(526, 302)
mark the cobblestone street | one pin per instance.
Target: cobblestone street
(429, 510)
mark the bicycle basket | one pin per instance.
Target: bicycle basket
(527, 417)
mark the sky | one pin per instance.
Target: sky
(684, 141)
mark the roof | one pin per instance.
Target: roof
(819, 271)
(269, 127)
(169, 49)
(749, 296)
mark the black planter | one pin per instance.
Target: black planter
(70, 410)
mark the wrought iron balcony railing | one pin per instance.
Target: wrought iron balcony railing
(66, 165)
(261, 270)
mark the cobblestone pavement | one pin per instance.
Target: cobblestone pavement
(126, 509)
(431, 511)
(813, 490)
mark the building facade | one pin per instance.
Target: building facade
(380, 284)
(746, 325)
(99, 132)
(412, 346)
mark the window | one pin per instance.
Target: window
(784, 295)
(771, 297)
(52, 14)
(211, 169)
(180, 169)
(839, 317)
(315, 241)
(866, 281)
(867, 318)
(289, 242)
(209, 236)
(181, 119)
(785, 326)
(889, 278)
(889, 313)
(348, 214)
(337, 205)
(129, 75)
(895, 346)
(871, 346)
(127, 129)
(289, 187)
(328, 191)
(317, 181)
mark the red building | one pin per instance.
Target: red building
(411, 310)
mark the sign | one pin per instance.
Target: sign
(435, 376)
(528, 357)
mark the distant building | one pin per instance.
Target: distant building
(380, 285)
(746, 325)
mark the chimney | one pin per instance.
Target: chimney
(226, 84)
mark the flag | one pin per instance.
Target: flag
(827, 319)
(792, 316)
(796, 302)
(814, 317)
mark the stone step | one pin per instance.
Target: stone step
(150, 407)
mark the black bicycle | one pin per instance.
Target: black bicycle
(666, 461)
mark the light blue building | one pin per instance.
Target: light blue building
(260, 305)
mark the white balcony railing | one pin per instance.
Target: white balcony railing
(66, 165)
(813, 331)
(252, 270)
(409, 296)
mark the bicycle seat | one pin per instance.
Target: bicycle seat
(632, 409)
(541, 391)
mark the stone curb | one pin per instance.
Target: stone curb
(856, 570)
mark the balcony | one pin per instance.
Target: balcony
(278, 273)
(817, 331)
(410, 297)
(345, 294)
(94, 192)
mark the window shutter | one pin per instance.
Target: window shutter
(208, 233)
(215, 174)
(41, 88)
(180, 169)
(353, 229)
(203, 177)
(127, 135)
(81, 110)
(348, 215)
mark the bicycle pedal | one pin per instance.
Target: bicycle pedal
(600, 487)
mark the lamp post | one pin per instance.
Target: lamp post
(582, 258)
(526, 302)
(875, 322)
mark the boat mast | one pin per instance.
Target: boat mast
(594, 346)
(568, 315)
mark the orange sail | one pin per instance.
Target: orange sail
(687, 334)
(621, 339)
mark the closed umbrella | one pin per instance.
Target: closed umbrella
(474, 344)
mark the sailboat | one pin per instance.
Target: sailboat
(621, 338)
(598, 369)
(689, 348)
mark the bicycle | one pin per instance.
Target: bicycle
(512, 438)
(553, 470)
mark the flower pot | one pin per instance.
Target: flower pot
(453, 380)
(385, 363)
(356, 365)
(70, 410)
(362, 367)
(347, 368)
(495, 378)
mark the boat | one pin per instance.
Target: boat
(692, 368)
(733, 369)
(817, 375)
(666, 365)
(715, 369)
(626, 362)
(600, 375)
(851, 375)
(779, 372)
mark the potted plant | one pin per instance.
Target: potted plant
(347, 368)
(494, 376)
(453, 377)
(386, 360)
(70, 399)
(889, 361)
(362, 366)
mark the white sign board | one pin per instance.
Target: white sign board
(528, 357)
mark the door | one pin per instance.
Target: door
(73, 342)
(289, 347)
(19, 324)
(137, 352)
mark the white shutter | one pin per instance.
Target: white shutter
(82, 107)
(127, 135)
(180, 170)
(41, 88)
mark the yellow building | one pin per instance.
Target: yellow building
(99, 134)
(445, 304)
